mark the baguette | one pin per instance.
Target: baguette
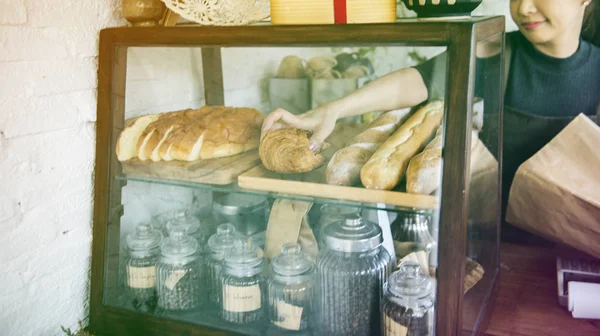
(345, 165)
(386, 168)
(424, 172)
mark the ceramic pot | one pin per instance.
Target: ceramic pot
(442, 8)
(143, 13)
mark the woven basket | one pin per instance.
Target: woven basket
(221, 12)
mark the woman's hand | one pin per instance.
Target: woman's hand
(319, 121)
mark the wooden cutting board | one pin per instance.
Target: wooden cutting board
(219, 171)
(314, 183)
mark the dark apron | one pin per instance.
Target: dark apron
(524, 135)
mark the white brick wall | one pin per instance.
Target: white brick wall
(48, 64)
(47, 132)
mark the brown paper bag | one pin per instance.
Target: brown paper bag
(556, 193)
(288, 223)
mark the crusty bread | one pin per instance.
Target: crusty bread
(287, 151)
(205, 133)
(128, 139)
(345, 165)
(423, 175)
(387, 166)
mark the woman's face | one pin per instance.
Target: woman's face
(547, 21)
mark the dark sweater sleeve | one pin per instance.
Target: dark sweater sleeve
(433, 72)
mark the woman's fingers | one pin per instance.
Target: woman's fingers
(281, 115)
(319, 136)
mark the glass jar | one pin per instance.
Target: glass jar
(351, 271)
(143, 252)
(190, 224)
(331, 214)
(218, 244)
(410, 230)
(408, 303)
(249, 214)
(243, 284)
(180, 285)
(290, 288)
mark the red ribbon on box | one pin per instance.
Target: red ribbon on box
(339, 11)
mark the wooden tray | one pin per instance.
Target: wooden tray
(313, 183)
(220, 171)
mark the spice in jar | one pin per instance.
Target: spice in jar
(351, 271)
(243, 284)
(143, 254)
(290, 288)
(408, 304)
(180, 277)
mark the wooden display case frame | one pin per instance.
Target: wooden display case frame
(459, 36)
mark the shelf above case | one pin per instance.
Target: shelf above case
(399, 201)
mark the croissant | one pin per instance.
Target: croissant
(287, 151)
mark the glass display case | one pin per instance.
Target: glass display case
(225, 246)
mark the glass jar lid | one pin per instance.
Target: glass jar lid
(184, 220)
(353, 235)
(244, 259)
(179, 245)
(234, 204)
(143, 238)
(408, 282)
(223, 240)
(291, 261)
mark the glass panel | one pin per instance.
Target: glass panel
(147, 197)
(482, 233)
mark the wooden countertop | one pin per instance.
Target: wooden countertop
(527, 302)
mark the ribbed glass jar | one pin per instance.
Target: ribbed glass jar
(351, 272)
(143, 252)
(291, 289)
(407, 307)
(180, 278)
(410, 232)
(218, 245)
(243, 284)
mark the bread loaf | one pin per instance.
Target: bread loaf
(128, 139)
(287, 151)
(424, 172)
(345, 165)
(386, 168)
(191, 134)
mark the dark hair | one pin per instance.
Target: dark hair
(591, 23)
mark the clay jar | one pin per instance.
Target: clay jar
(143, 13)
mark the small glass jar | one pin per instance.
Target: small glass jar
(408, 307)
(190, 224)
(351, 272)
(410, 230)
(218, 245)
(243, 284)
(180, 280)
(143, 252)
(290, 289)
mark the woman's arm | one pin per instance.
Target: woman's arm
(396, 90)
(399, 89)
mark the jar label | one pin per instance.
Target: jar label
(240, 299)
(288, 316)
(174, 278)
(141, 277)
(393, 328)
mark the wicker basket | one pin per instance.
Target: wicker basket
(220, 12)
(332, 11)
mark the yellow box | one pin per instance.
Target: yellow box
(332, 11)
